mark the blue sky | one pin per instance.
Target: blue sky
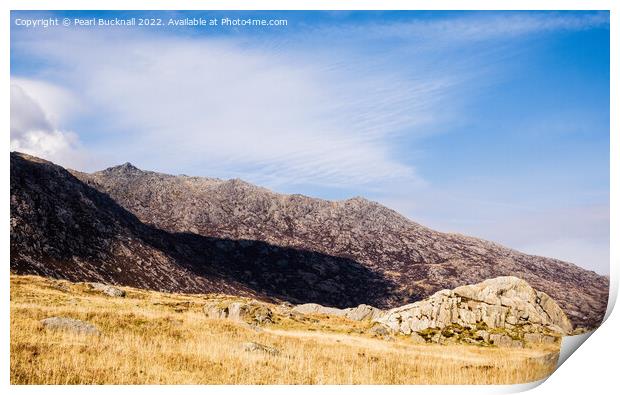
(491, 124)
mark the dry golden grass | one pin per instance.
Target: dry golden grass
(157, 338)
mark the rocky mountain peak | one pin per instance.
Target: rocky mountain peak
(126, 168)
(358, 199)
(361, 202)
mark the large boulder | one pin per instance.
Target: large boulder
(363, 312)
(314, 308)
(359, 313)
(107, 290)
(70, 325)
(508, 307)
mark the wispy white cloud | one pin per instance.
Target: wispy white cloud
(476, 27)
(267, 116)
(259, 112)
(37, 108)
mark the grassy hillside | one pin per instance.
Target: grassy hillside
(158, 338)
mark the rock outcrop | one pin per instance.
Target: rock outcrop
(107, 290)
(359, 313)
(504, 311)
(251, 313)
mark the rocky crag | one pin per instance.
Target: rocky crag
(503, 310)
(177, 233)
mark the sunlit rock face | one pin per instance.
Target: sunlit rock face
(499, 310)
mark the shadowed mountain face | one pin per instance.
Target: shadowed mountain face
(193, 234)
(64, 228)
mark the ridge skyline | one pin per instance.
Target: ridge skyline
(130, 165)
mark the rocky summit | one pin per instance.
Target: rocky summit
(132, 227)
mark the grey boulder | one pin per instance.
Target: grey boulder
(70, 325)
(359, 313)
(107, 290)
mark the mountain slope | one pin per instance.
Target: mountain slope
(230, 236)
(418, 260)
(64, 228)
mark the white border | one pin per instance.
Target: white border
(592, 369)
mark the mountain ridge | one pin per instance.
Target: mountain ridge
(409, 260)
(361, 199)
